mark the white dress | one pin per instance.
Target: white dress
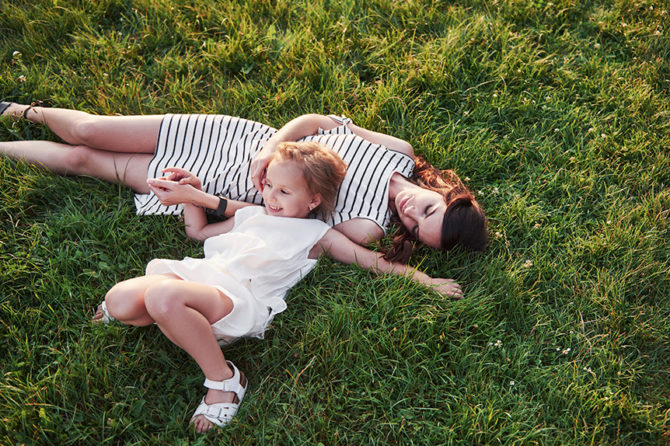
(254, 264)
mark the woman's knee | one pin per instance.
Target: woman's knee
(85, 130)
(77, 159)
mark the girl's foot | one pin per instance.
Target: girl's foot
(101, 315)
(220, 404)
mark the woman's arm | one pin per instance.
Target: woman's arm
(339, 247)
(307, 125)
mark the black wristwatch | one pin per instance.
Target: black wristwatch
(220, 211)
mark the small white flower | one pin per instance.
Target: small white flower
(465, 113)
(511, 383)
(609, 222)
(544, 107)
(498, 343)
(624, 25)
(480, 193)
(498, 235)
(557, 130)
(590, 130)
(558, 349)
(495, 95)
(528, 264)
(21, 78)
(588, 369)
(467, 178)
(506, 137)
(518, 70)
(566, 351)
(495, 191)
(597, 46)
(602, 135)
(105, 75)
(658, 33)
(16, 54)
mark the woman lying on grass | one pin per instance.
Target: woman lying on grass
(384, 180)
(251, 260)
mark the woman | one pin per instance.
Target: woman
(230, 154)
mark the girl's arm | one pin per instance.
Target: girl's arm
(181, 186)
(195, 223)
(339, 247)
(307, 125)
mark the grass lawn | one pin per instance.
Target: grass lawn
(556, 114)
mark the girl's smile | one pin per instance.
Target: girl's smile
(286, 193)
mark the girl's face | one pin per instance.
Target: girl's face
(421, 211)
(285, 191)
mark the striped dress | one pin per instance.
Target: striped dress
(219, 149)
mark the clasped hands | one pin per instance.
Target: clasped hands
(177, 187)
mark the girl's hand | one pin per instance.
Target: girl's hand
(260, 163)
(172, 192)
(182, 176)
(446, 287)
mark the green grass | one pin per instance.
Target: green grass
(556, 112)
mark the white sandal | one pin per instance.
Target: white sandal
(223, 413)
(106, 318)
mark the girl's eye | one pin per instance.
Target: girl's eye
(284, 191)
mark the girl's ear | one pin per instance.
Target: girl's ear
(316, 201)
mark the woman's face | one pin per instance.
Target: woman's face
(421, 211)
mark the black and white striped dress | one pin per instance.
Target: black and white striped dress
(219, 150)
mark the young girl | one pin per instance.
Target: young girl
(251, 260)
(239, 286)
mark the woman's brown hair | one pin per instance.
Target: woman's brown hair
(464, 221)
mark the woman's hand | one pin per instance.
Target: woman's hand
(260, 163)
(446, 287)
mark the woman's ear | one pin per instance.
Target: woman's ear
(316, 201)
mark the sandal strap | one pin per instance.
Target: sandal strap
(228, 385)
(106, 316)
(3, 106)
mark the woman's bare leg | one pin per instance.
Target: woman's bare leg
(127, 134)
(129, 169)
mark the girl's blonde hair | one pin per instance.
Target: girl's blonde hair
(322, 168)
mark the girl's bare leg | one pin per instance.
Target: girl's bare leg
(127, 134)
(184, 311)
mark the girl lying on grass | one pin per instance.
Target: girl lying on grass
(251, 260)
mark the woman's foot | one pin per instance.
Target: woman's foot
(21, 110)
(12, 109)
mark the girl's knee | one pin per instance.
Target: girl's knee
(125, 302)
(161, 301)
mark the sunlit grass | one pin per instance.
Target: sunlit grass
(555, 114)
